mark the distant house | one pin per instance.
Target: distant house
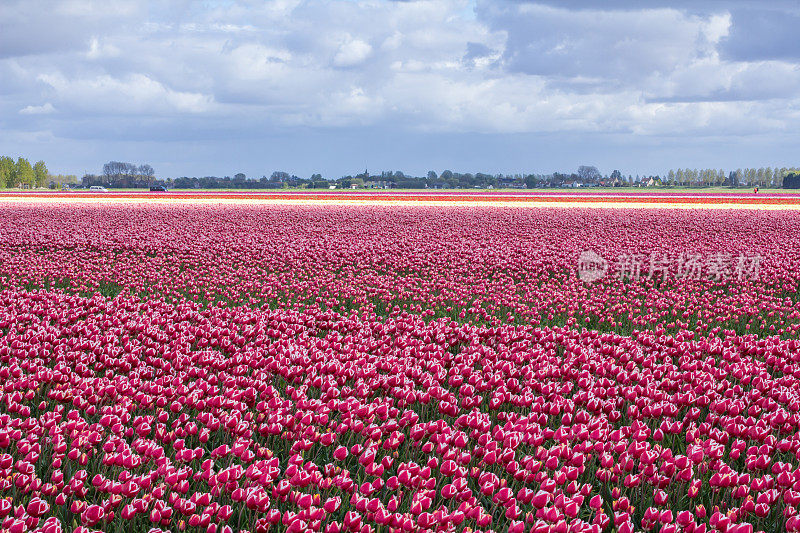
(510, 183)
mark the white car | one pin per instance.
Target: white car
(98, 188)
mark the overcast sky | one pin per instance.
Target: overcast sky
(218, 87)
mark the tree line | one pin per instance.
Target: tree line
(21, 174)
(748, 177)
(584, 176)
(386, 179)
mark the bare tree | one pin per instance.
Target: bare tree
(147, 172)
(587, 173)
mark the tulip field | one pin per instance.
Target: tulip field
(211, 368)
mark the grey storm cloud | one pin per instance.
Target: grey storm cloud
(34, 27)
(763, 34)
(616, 45)
(636, 5)
(760, 30)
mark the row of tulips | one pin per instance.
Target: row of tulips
(115, 418)
(492, 266)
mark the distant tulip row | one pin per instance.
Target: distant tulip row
(491, 266)
(298, 369)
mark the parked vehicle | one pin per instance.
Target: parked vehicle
(98, 188)
(158, 188)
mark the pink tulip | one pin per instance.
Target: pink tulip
(540, 499)
(92, 515)
(37, 507)
(340, 453)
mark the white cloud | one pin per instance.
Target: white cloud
(98, 50)
(94, 8)
(44, 109)
(135, 93)
(392, 42)
(717, 27)
(351, 53)
(255, 62)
